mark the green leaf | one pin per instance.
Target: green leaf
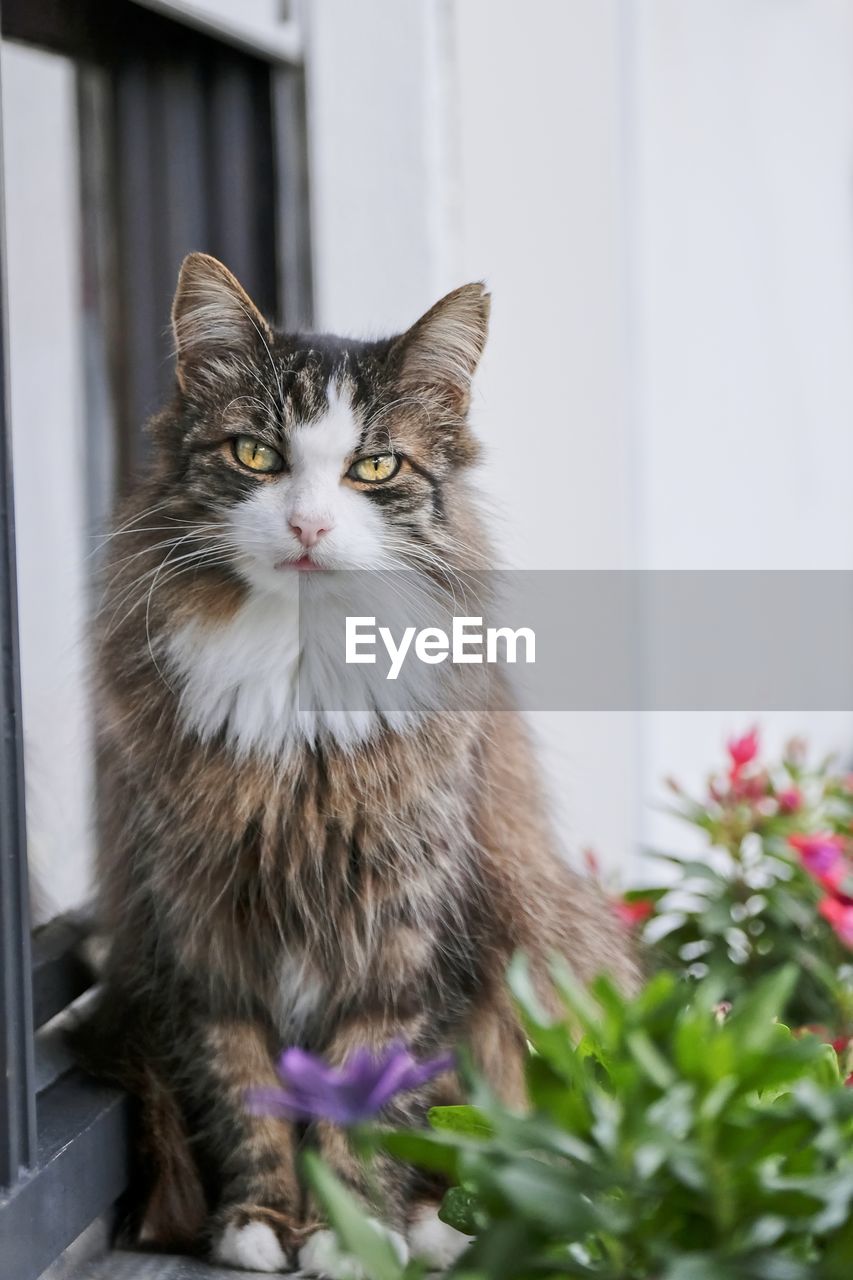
(437, 1152)
(543, 1194)
(565, 1104)
(689, 867)
(521, 986)
(652, 1062)
(461, 1210)
(469, 1121)
(355, 1231)
(752, 1020)
(703, 1266)
(577, 1000)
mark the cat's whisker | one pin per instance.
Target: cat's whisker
(414, 557)
(246, 396)
(273, 365)
(128, 524)
(197, 554)
(130, 587)
(202, 531)
(242, 366)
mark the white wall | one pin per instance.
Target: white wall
(479, 139)
(42, 243)
(741, 125)
(659, 194)
(377, 173)
(539, 101)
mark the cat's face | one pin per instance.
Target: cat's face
(318, 453)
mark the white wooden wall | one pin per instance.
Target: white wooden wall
(659, 193)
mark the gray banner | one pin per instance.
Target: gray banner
(609, 641)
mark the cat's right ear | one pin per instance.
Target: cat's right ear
(212, 318)
(440, 353)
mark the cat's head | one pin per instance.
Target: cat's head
(314, 453)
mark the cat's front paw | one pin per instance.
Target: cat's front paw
(322, 1256)
(255, 1240)
(434, 1242)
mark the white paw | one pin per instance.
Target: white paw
(254, 1247)
(434, 1242)
(322, 1256)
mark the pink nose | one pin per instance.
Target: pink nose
(310, 531)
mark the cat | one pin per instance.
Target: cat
(276, 876)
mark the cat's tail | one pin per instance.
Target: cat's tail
(172, 1205)
(166, 1207)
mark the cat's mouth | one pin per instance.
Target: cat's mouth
(303, 565)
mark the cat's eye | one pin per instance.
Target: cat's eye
(382, 466)
(256, 456)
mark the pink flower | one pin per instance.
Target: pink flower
(742, 751)
(790, 800)
(838, 880)
(751, 787)
(634, 912)
(840, 916)
(819, 853)
(592, 864)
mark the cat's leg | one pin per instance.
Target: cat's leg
(385, 1189)
(497, 1045)
(257, 1224)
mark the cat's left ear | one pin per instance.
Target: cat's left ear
(212, 317)
(441, 351)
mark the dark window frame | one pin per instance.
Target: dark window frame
(64, 1150)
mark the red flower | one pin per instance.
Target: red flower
(840, 916)
(742, 751)
(790, 800)
(634, 912)
(849, 1080)
(814, 1029)
(819, 853)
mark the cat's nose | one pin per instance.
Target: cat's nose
(310, 531)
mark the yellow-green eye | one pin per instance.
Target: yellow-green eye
(256, 456)
(382, 466)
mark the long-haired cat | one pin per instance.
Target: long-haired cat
(273, 877)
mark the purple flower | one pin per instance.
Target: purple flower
(311, 1089)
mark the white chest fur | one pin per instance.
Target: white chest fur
(275, 674)
(247, 677)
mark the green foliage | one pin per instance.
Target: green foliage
(685, 1133)
(750, 904)
(664, 1140)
